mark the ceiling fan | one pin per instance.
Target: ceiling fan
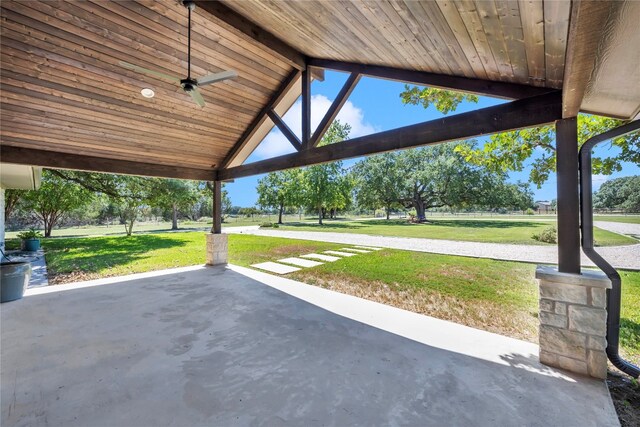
(189, 85)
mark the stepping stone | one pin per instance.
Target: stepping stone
(274, 267)
(321, 257)
(369, 248)
(339, 253)
(300, 262)
(360, 251)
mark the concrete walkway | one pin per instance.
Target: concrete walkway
(236, 347)
(626, 257)
(39, 275)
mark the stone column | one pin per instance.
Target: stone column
(217, 249)
(573, 320)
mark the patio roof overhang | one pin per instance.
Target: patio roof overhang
(67, 102)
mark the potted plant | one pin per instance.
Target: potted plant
(30, 240)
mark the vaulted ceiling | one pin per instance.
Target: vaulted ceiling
(65, 91)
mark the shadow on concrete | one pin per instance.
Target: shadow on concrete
(215, 347)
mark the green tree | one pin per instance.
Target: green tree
(326, 185)
(128, 194)
(174, 195)
(509, 151)
(378, 181)
(620, 193)
(444, 101)
(12, 200)
(438, 176)
(54, 199)
(505, 195)
(280, 190)
(131, 196)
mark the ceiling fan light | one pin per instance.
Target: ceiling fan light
(147, 92)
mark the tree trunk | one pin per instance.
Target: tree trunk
(174, 218)
(388, 209)
(420, 211)
(280, 214)
(129, 227)
(320, 215)
(48, 225)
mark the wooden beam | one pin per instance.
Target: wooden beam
(286, 131)
(518, 114)
(334, 109)
(568, 196)
(306, 108)
(461, 84)
(257, 33)
(58, 160)
(261, 117)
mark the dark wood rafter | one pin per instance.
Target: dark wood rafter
(262, 116)
(268, 40)
(286, 131)
(462, 84)
(334, 109)
(306, 108)
(216, 227)
(59, 160)
(533, 111)
(568, 197)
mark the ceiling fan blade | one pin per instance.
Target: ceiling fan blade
(216, 77)
(196, 96)
(149, 72)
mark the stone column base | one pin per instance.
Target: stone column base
(217, 249)
(573, 320)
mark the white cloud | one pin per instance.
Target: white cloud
(598, 180)
(275, 143)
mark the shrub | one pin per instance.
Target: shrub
(530, 211)
(269, 225)
(31, 234)
(548, 235)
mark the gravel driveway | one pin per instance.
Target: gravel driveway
(620, 227)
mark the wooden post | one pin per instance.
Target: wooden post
(306, 108)
(568, 198)
(216, 228)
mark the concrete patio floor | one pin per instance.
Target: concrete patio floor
(216, 346)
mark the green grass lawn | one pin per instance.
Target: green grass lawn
(505, 229)
(162, 226)
(629, 219)
(474, 230)
(492, 295)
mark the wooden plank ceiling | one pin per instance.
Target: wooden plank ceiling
(64, 90)
(520, 42)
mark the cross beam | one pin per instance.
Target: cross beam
(57, 160)
(533, 111)
(286, 131)
(462, 84)
(334, 109)
(285, 86)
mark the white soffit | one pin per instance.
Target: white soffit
(20, 177)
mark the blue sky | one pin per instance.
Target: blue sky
(375, 106)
